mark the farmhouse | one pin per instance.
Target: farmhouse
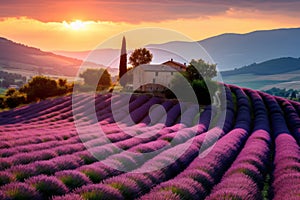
(155, 78)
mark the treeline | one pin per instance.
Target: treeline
(41, 87)
(7, 79)
(38, 88)
(288, 94)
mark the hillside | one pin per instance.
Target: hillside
(255, 155)
(280, 72)
(270, 67)
(20, 58)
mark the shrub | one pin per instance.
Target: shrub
(5, 177)
(97, 77)
(47, 186)
(20, 191)
(15, 100)
(41, 87)
(127, 187)
(161, 195)
(45, 167)
(99, 191)
(94, 173)
(72, 179)
(22, 172)
(5, 163)
(2, 102)
(68, 197)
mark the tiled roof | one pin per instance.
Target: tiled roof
(174, 63)
(158, 68)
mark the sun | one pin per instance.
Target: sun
(75, 25)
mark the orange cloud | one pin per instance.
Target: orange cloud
(59, 36)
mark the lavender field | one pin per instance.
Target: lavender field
(256, 154)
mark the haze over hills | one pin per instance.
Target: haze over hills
(229, 51)
(30, 61)
(280, 73)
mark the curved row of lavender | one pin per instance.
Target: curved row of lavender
(256, 155)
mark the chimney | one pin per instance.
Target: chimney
(171, 59)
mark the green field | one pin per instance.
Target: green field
(259, 82)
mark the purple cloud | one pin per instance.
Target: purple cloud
(136, 11)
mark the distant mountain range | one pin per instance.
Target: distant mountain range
(229, 51)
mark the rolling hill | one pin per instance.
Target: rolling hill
(45, 154)
(270, 67)
(19, 58)
(280, 72)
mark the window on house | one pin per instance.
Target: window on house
(154, 80)
(156, 73)
(172, 73)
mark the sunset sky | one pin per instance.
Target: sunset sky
(76, 25)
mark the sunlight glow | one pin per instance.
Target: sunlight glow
(75, 25)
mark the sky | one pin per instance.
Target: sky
(75, 25)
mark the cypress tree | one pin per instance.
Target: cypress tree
(123, 62)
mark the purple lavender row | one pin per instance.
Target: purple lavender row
(131, 185)
(261, 118)
(243, 118)
(63, 112)
(296, 106)
(229, 112)
(45, 167)
(32, 112)
(26, 158)
(35, 138)
(157, 114)
(206, 169)
(36, 116)
(121, 113)
(286, 176)
(44, 187)
(144, 148)
(245, 178)
(292, 117)
(138, 114)
(64, 150)
(90, 170)
(29, 109)
(156, 177)
(197, 179)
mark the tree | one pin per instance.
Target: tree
(62, 82)
(199, 69)
(10, 91)
(294, 94)
(39, 87)
(140, 56)
(199, 75)
(99, 77)
(123, 62)
(15, 99)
